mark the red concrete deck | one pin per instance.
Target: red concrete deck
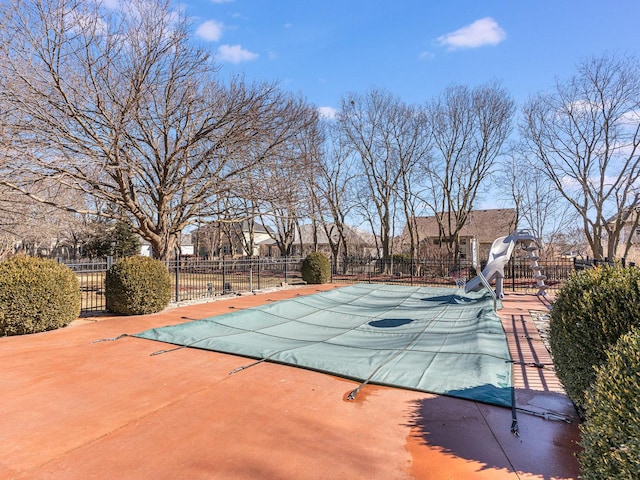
(71, 408)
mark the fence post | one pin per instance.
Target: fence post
(251, 275)
(177, 278)
(333, 265)
(285, 269)
(411, 270)
(224, 276)
(513, 274)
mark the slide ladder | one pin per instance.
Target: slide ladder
(531, 247)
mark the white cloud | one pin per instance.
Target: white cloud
(630, 117)
(235, 54)
(485, 31)
(112, 4)
(210, 30)
(329, 113)
(426, 55)
(84, 22)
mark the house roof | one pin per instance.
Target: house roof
(626, 214)
(354, 236)
(238, 225)
(266, 241)
(257, 227)
(186, 239)
(485, 225)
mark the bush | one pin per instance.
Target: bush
(591, 311)
(611, 433)
(137, 285)
(111, 239)
(401, 258)
(36, 295)
(316, 268)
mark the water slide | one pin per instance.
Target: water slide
(499, 255)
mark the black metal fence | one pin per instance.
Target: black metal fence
(586, 263)
(194, 278)
(91, 276)
(443, 272)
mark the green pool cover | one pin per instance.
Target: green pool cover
(438, 340)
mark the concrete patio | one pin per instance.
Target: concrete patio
(74, 407)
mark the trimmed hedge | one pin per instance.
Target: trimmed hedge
(137, 285)
(316, 268)
(611, 433)
(591, 311)
(36, 295)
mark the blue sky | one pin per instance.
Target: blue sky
(326, 48)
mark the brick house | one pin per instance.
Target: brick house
(482, 228)
(361, 243)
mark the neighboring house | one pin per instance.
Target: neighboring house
(481, 228)
(630, 230)
(220, 239)
(263, 244)
(360, 243)
(186, 246)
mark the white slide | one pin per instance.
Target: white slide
(499, 255)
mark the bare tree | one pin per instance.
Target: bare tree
(389, 139)
(117, 103)
(539, 207)
(282, 216)
(208, 238)
(586, 136)
(284, 178)
(631, 219)
(570, 242)
(36, 228)
(470, 127)
(316, 204)
(332, 191)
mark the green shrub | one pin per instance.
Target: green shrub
(316, 268)
(591, 311)
(401, 258)
(36, 295)
(137, 285)
(611, 434)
